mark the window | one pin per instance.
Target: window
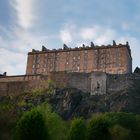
(33, 66)
(78, 68)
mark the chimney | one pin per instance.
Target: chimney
(114, 43)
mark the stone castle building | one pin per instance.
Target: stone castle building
(94, 69)
(112, 59)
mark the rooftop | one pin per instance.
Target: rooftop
(83, 47)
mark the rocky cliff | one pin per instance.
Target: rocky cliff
(71, 102)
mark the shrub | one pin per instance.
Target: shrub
(31, 126)
(98, 128)
(51, 87)
(77, 130)
(57, 128)
(128, 121)
(117, 132)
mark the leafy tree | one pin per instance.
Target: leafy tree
(117, 132)
(77, 130)
(128, 121)
(98, 128)
(31, 126)
(57, 128)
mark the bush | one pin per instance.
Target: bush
(98, 128)
(31, 126)
(128, 121)
(119, 133)
(57, 128)
(77, 130)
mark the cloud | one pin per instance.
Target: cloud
(68, 32)
(16, 43)
(14, 49)
(134, 46)
(90, 33)
(102, 35)
(12, 62)
(24, 11)
(98, 34)
(66, 36)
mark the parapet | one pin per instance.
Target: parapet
(83, 47)
(4, 74)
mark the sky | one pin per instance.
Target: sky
(29, 24)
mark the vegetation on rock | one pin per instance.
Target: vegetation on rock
(57, 116)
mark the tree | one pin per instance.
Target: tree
(117, 132)
(31, 126)
(57, 128)
(98, 128)
(77, 130)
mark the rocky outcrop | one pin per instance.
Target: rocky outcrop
(70, 102)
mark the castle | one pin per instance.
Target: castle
(112, 59)
(94, 69)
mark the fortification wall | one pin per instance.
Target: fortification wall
(97, 83)
(76, 80)
(18, 87)
(12, 85)
(20, 84)
(118, 82)
(19, 78)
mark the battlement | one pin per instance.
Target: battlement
(83, 47)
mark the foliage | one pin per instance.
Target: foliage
(57, 128)
(31, 126)
(23, 103)
(128, 121)
(117, 132)
(51, 86)
(98, 128)
(77, 130)
(107, 126)
(38, 91)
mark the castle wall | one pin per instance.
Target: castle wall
(19, 78)
(60, 80)
(23, 83)
(75, 80)
(18, 87)
(117, 82)
(98, 83)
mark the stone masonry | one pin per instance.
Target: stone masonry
(112, 59)
(94, 69)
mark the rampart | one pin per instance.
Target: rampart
(21, 83)
(96, 83)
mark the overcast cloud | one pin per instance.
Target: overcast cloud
(28, 24)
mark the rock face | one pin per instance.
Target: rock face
(66, 101)
(122, 96)
(71, 102)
